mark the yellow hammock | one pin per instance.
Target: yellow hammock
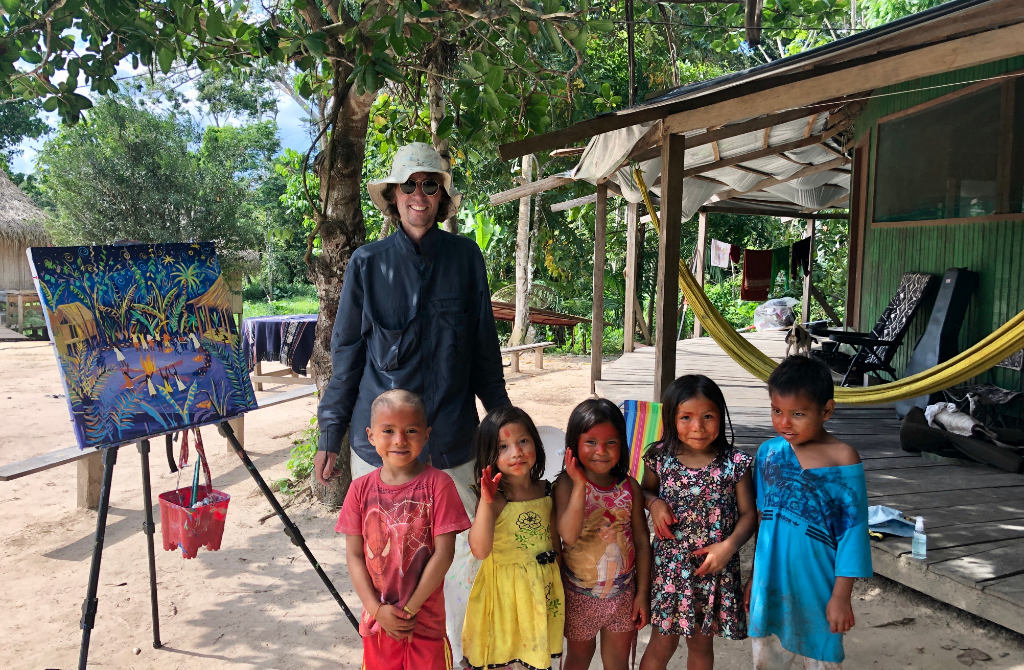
(1008, 339)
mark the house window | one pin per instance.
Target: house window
(960, 158)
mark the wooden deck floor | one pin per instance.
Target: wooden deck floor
(974, 513)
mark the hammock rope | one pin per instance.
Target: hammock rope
(997, 346)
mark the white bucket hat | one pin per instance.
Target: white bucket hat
(410, 159)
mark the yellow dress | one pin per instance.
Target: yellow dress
(516, 611)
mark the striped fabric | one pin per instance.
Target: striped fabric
(643, 426)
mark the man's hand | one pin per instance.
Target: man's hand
(323, 466)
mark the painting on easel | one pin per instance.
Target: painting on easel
(145, 338)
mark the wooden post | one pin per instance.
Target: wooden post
(597, 316)
(672, 146)
(702, 238)
(805, 303)
(90, 473)
(629, 321)
(521, 322)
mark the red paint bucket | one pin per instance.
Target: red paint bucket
(193, 527)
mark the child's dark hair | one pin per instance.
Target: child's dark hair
(800, 374)
(679, 391)
(487, 439)
(590, 413)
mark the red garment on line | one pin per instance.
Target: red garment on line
(757, 274)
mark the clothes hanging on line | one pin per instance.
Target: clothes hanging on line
(801, 259)
(757, 277)
(735, 253)
(780, 264)
(720, 253)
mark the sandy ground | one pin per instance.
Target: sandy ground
(257, 603)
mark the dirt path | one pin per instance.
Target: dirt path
(256, 603)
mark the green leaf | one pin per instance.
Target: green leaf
(471, 71)
(214, 24)
(495, 77)
(419, 34)
(492, 99)
(31, 56)
(165, 57)
(480, 62)
(316, 43)
(50, 104)
(444, 129)
(601, 25)
(11, 6)
(388, 69)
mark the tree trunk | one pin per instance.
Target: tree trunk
(522, 318)
(435, 103)
(342, 231)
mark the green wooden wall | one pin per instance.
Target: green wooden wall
(994, 249)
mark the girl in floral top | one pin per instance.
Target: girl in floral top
(699, 493)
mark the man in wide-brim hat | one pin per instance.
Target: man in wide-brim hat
(415, 313)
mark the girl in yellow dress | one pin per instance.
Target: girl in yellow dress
(516, 610)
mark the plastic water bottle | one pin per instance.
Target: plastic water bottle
(919, 545)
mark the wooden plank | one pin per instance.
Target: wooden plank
(1008, 588)
(1005, 561)
(702, 241)
(917, 576)
(539, 186)
(597, 315)
(673, 149)
(575, 202)
(946, 56)
(42, 462)
(630, 310)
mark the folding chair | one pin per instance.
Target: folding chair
(643, 426)
(874, 350)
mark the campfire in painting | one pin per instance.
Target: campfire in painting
(145, 337)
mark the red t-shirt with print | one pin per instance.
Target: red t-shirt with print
(398, 525)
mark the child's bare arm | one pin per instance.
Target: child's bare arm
(661, 512)
(394, 621)
(481, 534)
(434, 571)
(642, 544)
(719, 554)
(569, 498)
(750, 579)
(839, 610)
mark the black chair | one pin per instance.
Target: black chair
(874, 350)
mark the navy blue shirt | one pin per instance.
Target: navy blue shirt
(418, 319)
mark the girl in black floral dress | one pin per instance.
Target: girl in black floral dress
(699, 493)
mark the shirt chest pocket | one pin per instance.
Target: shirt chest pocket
(450, 322)
(389, 348)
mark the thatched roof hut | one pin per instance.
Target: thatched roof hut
(21, 226)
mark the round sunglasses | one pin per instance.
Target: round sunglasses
(428, 186)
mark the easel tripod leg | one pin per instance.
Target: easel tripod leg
(148, 527)
(91, 602)
(290, 529)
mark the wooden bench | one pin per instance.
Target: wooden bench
(90, 461)
(537, 349)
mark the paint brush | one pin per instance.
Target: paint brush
(195, 485)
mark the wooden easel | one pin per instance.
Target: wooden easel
(90, 605)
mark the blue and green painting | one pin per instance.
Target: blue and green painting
(145, 338)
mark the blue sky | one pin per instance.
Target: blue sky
(292, 131)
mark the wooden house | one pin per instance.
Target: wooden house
(213, 308)
(915, 127)
(21, 226)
